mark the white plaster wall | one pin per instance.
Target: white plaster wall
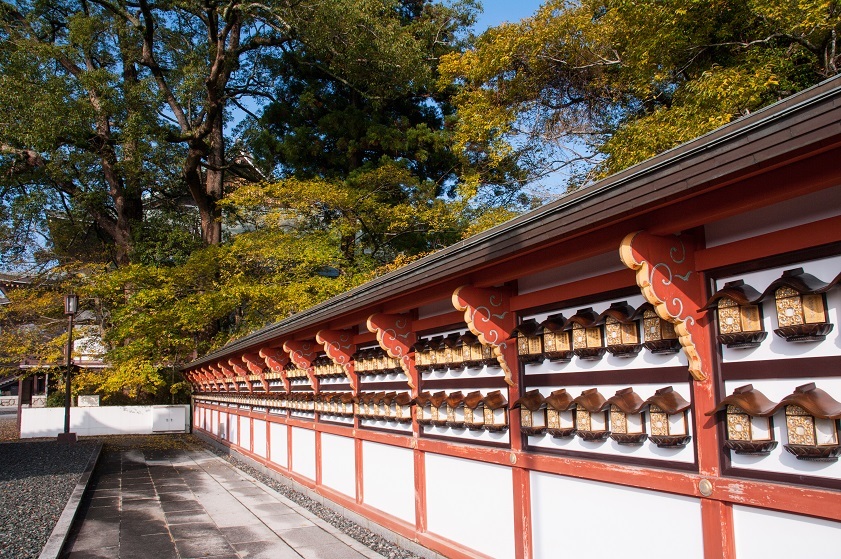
(233, 428)
(214, 422)
(259, 427)
(279, 449)
(779, 459)
(765, 534)
(388, 479)
(594, 519)
(338, 464)
(245, 432)
(643, 360)
(303, 452)
(804, 209)
(775, 347)
(610, 447)
(583, 269)
(88, 422)
(223, 426)
(471, 503)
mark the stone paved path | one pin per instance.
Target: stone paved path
(192, 504)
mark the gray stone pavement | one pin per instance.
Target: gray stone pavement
(192, 504)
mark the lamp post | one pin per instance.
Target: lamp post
(71, 306)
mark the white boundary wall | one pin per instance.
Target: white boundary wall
(106, 420)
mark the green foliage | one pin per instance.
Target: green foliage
(600, 85)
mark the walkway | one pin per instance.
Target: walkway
(190, 504)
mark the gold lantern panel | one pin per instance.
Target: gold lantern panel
(801, 307)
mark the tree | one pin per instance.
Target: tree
(600, 85)
(146, 91)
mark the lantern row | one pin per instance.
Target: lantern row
(456, 410)
(620, 330)
(622, 417)
(800, 300)
(813, 422)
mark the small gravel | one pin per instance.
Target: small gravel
(357, 532)
(36, 480)
(8, 427)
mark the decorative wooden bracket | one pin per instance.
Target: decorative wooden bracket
(302, 354)
(236, 364)
(276, 360)
(664, 266)
(218, 373)
(487, 315)
(229, 374)
(339, 346)
(257, 367)
(395, 336)
(211, 376)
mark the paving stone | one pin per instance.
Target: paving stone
(330, 551)
(285, 522)
(265, 550)
(172, 506)
(194, 530)
(208, 546)
(250, 533)
(187, 517)
(144, 547)
(309, 536)
(102, 553)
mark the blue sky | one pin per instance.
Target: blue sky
(499, 11)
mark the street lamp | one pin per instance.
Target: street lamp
(71, 306)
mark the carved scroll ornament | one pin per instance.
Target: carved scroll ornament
(664, 268)
(339, 346)
(395, 336)
(487, 315)
(302, 354)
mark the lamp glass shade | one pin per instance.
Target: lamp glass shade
(794, 309)
(734, 318)
(71, 304)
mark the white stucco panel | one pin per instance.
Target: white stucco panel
(594, 519)
(278, 449)
(471, 503)
(338, 464)
(303, 452)
(388, 477)
(765, 534)
(259, 437)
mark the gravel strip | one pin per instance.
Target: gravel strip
(8, 427)
(36, 480)
(357, 532)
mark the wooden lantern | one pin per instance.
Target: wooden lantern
(436, 352)
(750, 424)
(801, 306)
(532, 407)
(438, 403)
(529, 341)
(812, 422)
(622, 335)
(591, 416)
(423, 362)
(402, 403)
(496, 412)
(423, 408)
(669, 419)
(474, 411)
(659, 336)
(557, 344)
(586, 335)
(627, 418)
(739, 315)
(471, 351)
(455, 410)
(453, 353)
(560, 414)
